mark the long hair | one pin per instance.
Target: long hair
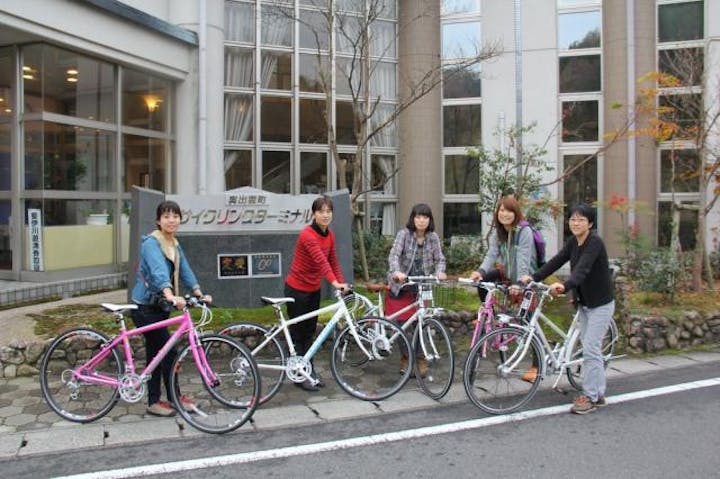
(423, 210)
(510, 203)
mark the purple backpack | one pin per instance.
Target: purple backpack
(538, 240)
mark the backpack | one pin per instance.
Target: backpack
(537, 239)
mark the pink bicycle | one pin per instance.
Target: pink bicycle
(82, 375)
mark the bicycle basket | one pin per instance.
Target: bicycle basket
(444, 294)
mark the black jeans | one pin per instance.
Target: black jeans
(154, 341)
(302, 333)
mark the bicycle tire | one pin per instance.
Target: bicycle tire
(574, 373)
(78, 401)
(376, 378)
(489, 387)
(272, 354)
(438, 356)
(221, 407)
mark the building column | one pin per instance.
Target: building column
(189, 117)
(420, 126)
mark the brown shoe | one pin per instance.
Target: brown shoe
(583, 405)
(187, 403)
(530, 376)
(161, 409)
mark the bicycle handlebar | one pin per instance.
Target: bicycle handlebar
(486, 285)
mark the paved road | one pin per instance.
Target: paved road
(660, 423)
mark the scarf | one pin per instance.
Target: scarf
(169, 249)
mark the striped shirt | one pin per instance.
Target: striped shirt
(314, 259)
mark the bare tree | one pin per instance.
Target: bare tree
(359, 30)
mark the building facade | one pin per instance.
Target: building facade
(202, 96)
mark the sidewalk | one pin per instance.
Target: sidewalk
(27, 426)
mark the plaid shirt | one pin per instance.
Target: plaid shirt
(403, 251)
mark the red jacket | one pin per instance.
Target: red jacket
(314, 258)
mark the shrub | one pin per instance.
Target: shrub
(664, 272)
(377, 248)
(463, 256)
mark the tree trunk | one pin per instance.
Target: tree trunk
(361, 247)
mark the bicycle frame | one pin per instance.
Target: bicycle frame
(340, 312)
(185, 326)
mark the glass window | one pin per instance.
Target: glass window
(680, 21)
(238, 168)
(461, 219)
(315, 3)
(679, 170)
(347, 33)
(579, 30)
(382, 82)
(684, 111)
(313, 172)
(63, 82)
(276, 26)
(276, 119)
(461, 175)
(685, 64)
(382, 218)
(580, 74)
(461, 125)
(344, 119)
(7, 94)
(71, 236)
(5, 156)
(314, 30)
(144, 160)
(688, 226)
(145, 100)
(450, 7)
(574, 3)
(345, 171)
(239, 67)
(348, 76)
(384, 135)
(383, 173)
(461, 82)
(5, 247)
(310, 72)
(276, 70)
(579, 121)
(581, 185)
(382, 39)
(239, 22)
(313, 127)
(62, 157)
(355, 6)
(460, 40)
(239, 115)
(276, 171)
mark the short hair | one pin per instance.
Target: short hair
(510, 203)
(584, 210)
(165, 207)
(320, 202)
(420, 209)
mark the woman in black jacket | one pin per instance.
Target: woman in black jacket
(591, 284)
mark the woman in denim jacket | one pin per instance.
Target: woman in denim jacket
(161, 269)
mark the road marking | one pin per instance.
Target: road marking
(247, 457)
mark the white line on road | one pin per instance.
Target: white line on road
(247, 457)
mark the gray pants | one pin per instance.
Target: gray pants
(593, 323)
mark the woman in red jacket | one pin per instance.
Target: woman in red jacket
(314, 259)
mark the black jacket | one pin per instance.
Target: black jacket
(589, 270)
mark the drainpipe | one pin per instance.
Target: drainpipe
(631, 142)
(202, 97)
(518, 87)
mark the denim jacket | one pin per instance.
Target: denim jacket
(154, 272)
(403, 251)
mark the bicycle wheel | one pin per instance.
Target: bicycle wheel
(574, 372)
(434, 358)
(493, 379)
(226, 405)
(71, 398)
(372, 377)
(271, 355)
